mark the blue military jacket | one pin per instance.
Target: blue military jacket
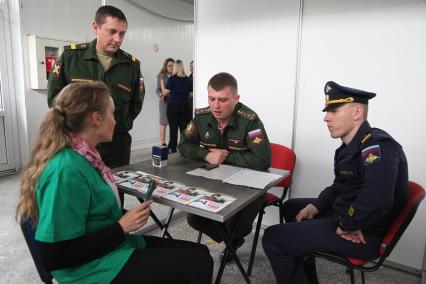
(371, 182)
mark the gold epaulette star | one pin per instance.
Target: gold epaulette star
(249, 116)
(202, 110)
(76, 46)
(134, 59)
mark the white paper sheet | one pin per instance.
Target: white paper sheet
(222, 172)
(252, 178)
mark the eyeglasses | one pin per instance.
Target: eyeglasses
(170, 65)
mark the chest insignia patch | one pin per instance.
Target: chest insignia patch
(56, 70)
(124, 88)
(371, 154)
(207, 135)
(347, 172)
(190, 129)
(78, 80)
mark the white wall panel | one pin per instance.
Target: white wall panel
(256, 42)
(71, 21)
(371, 45)
(174, 38)
(56, 19)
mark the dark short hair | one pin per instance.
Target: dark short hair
(222, 80)
(108, 11)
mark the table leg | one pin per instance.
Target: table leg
(169, 218)
(229, 249)
(157, 221)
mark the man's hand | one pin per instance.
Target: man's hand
(216, 156)
(307, 213)
(136, 218)
(354, 236)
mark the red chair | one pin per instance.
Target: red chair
(282, 158)
(415, 195)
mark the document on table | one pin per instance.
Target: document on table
(222, 172)
(241, 176)
(253, 178)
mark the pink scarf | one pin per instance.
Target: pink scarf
(92, 155)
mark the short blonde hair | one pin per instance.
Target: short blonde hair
(178, 68)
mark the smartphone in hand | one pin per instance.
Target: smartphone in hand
(151, 187)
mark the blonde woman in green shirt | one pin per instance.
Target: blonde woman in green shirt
(70, 195)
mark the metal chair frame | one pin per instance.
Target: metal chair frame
(416, 195)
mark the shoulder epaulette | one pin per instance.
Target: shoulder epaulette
(248, 115)
(131, 57)
(365, 138)
(202, 110)
(76, 46)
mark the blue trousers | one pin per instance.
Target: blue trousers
(287, 244)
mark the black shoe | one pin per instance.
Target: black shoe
(163, 144)
(171, 151)
(236, 243)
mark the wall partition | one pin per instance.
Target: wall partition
(282, 65)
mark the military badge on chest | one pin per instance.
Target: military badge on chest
(207, 135)
(236, 144)
(371, 155)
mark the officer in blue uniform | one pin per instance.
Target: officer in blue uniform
(351, 216)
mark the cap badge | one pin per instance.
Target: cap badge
(327, 88)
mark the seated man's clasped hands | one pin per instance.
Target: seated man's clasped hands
(71, 197)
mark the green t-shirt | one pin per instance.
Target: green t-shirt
(74, 200)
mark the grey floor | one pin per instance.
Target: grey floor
(16, 265)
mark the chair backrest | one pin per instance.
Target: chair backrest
(415, 196)
(283, 158)
(29, 233)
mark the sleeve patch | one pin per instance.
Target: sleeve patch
(255, 133)
(190, 129)
(141, 84)
(371, 154)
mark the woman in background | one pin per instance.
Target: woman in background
(70, 195)
(162, 77)
(178, 91)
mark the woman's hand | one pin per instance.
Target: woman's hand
(136, 218)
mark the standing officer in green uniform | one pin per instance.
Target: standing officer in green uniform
(227, 132)
(103, 60)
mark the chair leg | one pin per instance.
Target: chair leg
(309, 265)
(351, 273)
(256, 237)
(199, 237)
(280, 207)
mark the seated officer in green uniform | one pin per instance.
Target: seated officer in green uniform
(227, 132)
(103, 60)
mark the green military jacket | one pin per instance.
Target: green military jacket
(79, 63)
(244, 137)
